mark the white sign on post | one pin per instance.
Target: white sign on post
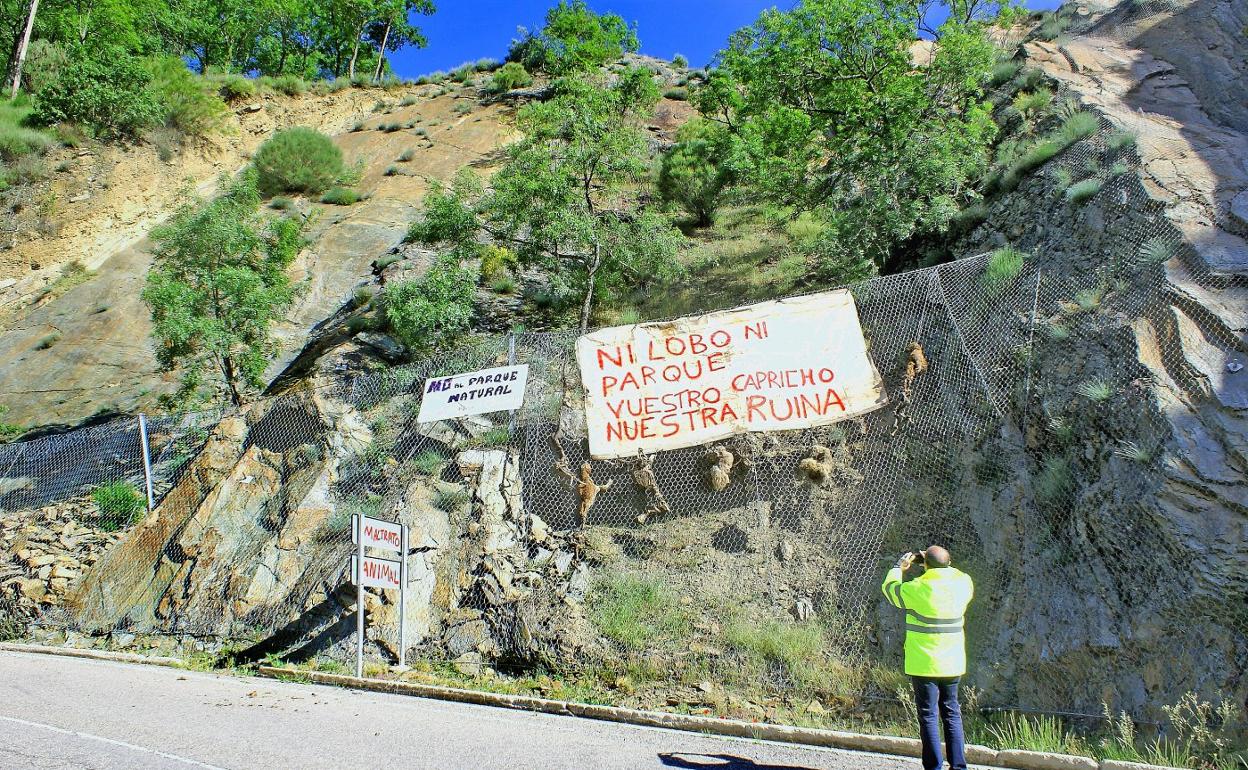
(381, 534)
(386, 574)
(462, 395)
(793, 363)
(378, 573)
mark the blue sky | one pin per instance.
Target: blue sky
(466, 30)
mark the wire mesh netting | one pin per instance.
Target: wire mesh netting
(1076, 440)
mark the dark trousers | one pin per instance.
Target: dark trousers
(937, 703)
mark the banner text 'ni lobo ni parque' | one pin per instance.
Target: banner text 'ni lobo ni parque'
(794, 363)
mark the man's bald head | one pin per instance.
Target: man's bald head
(936, 556)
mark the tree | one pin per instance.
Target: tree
(562, 199)
(829, 114)
(696, 170)
(217, 285)
(575, 39)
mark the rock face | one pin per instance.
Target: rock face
(240, 538)
(45, 553)
(1121, 539)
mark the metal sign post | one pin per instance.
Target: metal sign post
(375, 572)
(359, 596)
(147, 462)
(403, 603)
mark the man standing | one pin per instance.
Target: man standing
(934, 603)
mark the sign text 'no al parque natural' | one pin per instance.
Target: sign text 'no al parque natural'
(793, 363)
(459, 395)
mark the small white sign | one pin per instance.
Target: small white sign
(378, 573)
(379, 534)
(462, 395)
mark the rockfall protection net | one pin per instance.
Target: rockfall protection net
(1076, 441)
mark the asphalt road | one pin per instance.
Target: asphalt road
(62, 713)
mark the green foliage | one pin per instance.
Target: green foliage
(282, 203)
(1120, 140)
(1003, 267)
(298, 160)
(109, 98)
(680, 62)
(1078, 126)
(1035, 733)
(512, 75)
(1081, 192)
(1095, 390)
(1034, 101)
(16, 137)
(235, 87)
(1155, 251)
(635, 611)
(497, 262)
(1055, 481)
(217, 284)
(8, 431)
(119, 504)
(291, 85)
(677, 94)
(504, 285)
(800, 648)
(450, 501)
(188, 102)
(1052, 26)
(1003, 72)
(695, 171)
(429, 462)
(882, 151)
(433, 309)
(574, 40)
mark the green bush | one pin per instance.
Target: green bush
(497, 262)
(429, 462)
(8, 430)
(680, 62)
(512, 75)
(188, 102)
(298, 160)
(1032, 101)
(111, 99)
(693, 173)
(16, 138)
(1081, 192)
(1003, 267)
(432, 309)
(291, 85)
(1003, 72)
(340, 196)
(677, 94)
(450, 501)
(236, 87)
(1120, 140)
(119, 503)
(1078, 126)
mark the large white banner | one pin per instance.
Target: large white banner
(792, 363)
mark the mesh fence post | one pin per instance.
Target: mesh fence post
(147, 461)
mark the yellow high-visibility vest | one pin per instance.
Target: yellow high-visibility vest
(934, 604)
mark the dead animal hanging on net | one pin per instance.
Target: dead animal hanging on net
(719, 467)
(916, 364)
(586, 488)
(823, 465)
(648, 485)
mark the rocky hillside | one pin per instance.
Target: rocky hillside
(1080, 437)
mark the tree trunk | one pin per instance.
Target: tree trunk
(21, 48)
(381, 53)
(227, 368)
(587, 305)
(355, 51)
